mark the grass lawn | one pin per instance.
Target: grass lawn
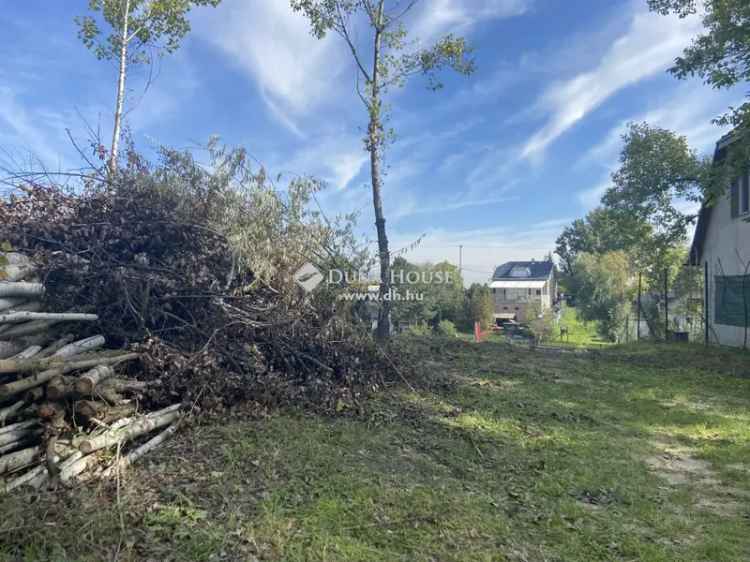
(630, 453)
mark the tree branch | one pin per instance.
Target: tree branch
(345, 34)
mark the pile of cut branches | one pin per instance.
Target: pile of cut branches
(153, 252)
(62, 404)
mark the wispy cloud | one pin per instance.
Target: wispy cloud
(688, 111)
(19, 130)
(648, 47)
(336, 159)
(440, 16)
(293, 71)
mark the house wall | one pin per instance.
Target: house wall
(726, 247)
(519, 303)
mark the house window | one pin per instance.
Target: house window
(729, 304)
(494, 290)
(739, 195)
(538, 292)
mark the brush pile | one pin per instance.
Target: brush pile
(61, 401)
(162, 263)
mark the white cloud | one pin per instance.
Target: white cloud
(649, 46)
(688, 112)
(20, 131)
(441, 16)
(336, 159)
(294, 71)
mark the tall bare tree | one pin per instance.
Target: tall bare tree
(139, 29)
(384, 60)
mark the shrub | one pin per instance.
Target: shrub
(446, 328)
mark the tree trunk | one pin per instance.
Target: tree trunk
(374, 144)
(120, 104)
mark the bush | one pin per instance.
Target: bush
(420, 329)
(446, 328)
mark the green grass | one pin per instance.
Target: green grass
(507, 454)
(580, 332)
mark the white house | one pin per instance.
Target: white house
(721, 246)
(516, 285)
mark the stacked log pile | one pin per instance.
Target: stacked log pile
(63, 405)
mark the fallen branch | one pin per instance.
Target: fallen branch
(55, 346)
(20, 289)
(60, 388)
(80, 346)
(18, 433)
(139, 452)
(34, 473)
(9, 349)
(38, 379)
(88, 381)
(28, 353)
(20, 459)
(10, 303)
(26, 316)
(29, 328)
(139, 427)
(10, 411)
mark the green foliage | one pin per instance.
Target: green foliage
(446, 328)
(657, 168)
(438, 286)
(602, 230)
(605, 290)
(720, 55)
(541, 322)
(152, 25)
(480, 306)
(399, 60)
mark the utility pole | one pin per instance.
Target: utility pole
(460, 259)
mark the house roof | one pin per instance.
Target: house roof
(699, 237)
(536, 269)
(517, 284)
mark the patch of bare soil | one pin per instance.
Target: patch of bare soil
(677, 465)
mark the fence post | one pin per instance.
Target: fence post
(666, 305)
(638, 324)
(705, 302)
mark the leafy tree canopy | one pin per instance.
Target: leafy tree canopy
(720, 55)
(151, 24)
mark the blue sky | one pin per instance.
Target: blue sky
(498, 162)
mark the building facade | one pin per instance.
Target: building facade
(721, 246)
(522, 288)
